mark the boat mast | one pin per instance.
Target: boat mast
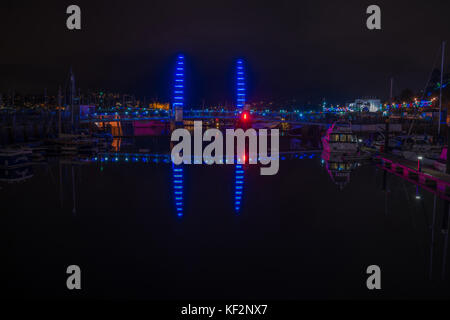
(440, 88)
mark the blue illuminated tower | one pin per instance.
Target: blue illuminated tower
(178, 92)
(240, 85)
(239, 187)
(178, 181)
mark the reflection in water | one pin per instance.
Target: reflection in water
(178, 183)
(392, 238)
(113, 127)
(339, 168)
(433, 220)
(445, 232)
(74, 199)
(15, 175)
(420, 198)
(386, 192)
(60, 185)
(238, 187)
(116, 143)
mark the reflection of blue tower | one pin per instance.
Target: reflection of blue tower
(178, 179)
(238, 186)
(178, 92)
(240, 85)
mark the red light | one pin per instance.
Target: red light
(244, 116)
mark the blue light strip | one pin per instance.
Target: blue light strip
(240, 85)
(178, 181)
(239, 181)
(155, 158)
(178, 93)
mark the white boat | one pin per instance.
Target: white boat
(413, 147)
(340, 139)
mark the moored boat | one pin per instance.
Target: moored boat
(339, 138)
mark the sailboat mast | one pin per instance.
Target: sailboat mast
(440, 88)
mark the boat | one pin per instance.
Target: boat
(413, 147)
(339, 138)
(378, 143)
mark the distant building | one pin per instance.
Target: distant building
(365, 105)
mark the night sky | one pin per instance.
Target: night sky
(305, 50)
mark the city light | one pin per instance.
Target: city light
(239, 182)
(178, 179)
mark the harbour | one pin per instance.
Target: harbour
(345, 174)
(225, 159)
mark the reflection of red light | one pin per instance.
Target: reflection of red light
(244, 158)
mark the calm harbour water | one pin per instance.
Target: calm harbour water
(296, 235)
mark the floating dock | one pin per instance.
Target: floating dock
(431, 180)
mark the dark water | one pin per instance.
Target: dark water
(296, 235)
